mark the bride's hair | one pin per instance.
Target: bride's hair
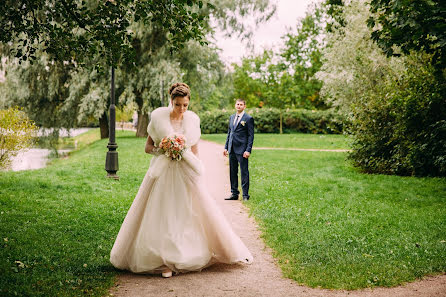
(179, 90)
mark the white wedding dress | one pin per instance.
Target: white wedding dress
(173, 222)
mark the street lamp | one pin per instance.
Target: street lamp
(111, 161)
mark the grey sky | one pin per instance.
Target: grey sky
(267, 35)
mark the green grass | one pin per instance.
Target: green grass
(299, 140)
(80, 140)
(57, 219)
(333, 227)
(329, 225)
(88, 137)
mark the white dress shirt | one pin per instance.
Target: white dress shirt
(237, 120)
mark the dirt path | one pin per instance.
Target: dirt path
(263, 277)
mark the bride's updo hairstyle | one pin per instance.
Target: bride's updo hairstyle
(179, 90)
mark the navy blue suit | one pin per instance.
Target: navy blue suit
(239, 140)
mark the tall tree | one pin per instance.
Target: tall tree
(204, 72)
(78, 30)
(89, 91)
(417, 25)
(86, 33)
(141, 41)
(302, 54)
(195, 64)
(286, 78)
(41, 88)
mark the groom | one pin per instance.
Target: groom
(238, 146)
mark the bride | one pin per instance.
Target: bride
(174, 225)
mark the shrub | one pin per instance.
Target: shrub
(396, 105)
(403, 130)
(16, 133)
(214, 121)
(314, 121)
(267, 120)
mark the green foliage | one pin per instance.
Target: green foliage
(204, 72)
(81, 30)
(267, 120)
(314, 121)
(410, 25)
(231, 15)
(302, 54)
(334, 11)
(285, 79)
(125, 114)
(403, 130)
(67, 94)
(89, 94)
(17, 133)
(42, 89)
(396, 105)
(332, 227)
(222, 95)
(215, 121)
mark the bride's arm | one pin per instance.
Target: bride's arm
(150, 145)
(194, 149)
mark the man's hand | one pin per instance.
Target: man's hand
(246, 155)
(225, 153)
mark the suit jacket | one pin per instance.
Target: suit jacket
(241, 137)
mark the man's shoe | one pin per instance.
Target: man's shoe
(245, 198)
(232, 198)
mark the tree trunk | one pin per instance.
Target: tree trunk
(103, 125)
(143, 122)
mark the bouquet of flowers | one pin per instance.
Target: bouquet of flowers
(173, 146)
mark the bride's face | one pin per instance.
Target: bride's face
(180, 104)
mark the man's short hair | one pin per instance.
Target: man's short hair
(240, 100)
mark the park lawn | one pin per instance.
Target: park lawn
(329, 225)
(60, 222)
(296, 140)
(333, 227)
(80, 141)
(91, 136)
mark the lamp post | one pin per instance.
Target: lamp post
(111, 161)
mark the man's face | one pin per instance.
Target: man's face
(239, 106)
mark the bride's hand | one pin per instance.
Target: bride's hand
(156, 151)
(151, 148)
(194, 149)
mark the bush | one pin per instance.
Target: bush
(16, 133)
(403, 130)
(267, 120)
(316, 122)
(396, 105)
(214, 121)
